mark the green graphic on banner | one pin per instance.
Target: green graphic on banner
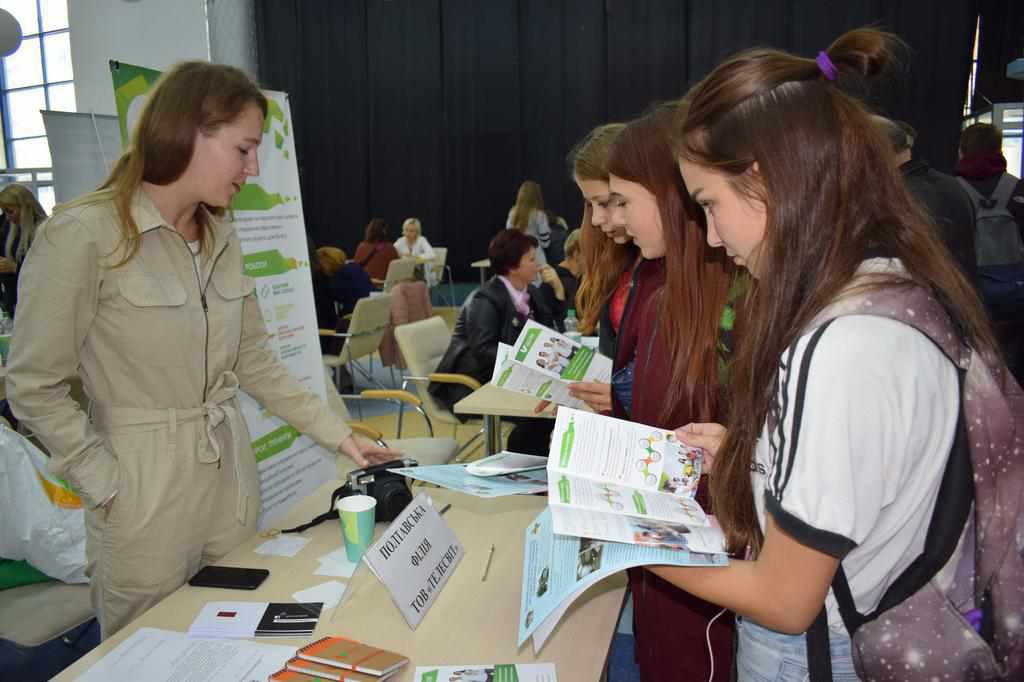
(429, 676)
(639, 503)
(130, 81)
(268, 263)
(254, 198)
(275, 442)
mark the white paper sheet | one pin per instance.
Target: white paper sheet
(283, 545)
(163, 656)
(329, 593)
(335, 565)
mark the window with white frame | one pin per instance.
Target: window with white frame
(36, 76)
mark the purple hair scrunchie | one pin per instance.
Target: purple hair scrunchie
(828, 69)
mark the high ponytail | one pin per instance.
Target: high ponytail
(831, 196)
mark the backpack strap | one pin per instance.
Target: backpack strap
(952, 509)
(1000, 197)
(1004, 190)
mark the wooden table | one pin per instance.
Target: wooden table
(493, 403)
(471, 622)
(483, 264)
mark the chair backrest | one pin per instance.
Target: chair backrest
(423, 344)
(370, 319)
(440, 259)
(399, 270)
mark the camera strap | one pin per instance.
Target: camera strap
(331, 513)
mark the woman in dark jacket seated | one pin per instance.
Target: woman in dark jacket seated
(497, 312)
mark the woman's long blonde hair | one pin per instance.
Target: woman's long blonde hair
(602, 260)
(192, 97)
(528, 200)
(30, 214)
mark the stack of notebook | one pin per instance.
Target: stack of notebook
(338, 658)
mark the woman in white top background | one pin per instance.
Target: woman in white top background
(412, 244)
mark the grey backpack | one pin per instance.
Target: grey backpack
(973, 629)
(997, 238)
(999, 248)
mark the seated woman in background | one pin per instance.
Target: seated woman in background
(23, 214)
(497, 312)
(528, 217)
(412, 244)
(376, 251)
(347, 282)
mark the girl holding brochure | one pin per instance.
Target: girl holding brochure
(608, 254)
(797, 188)
(676, 353)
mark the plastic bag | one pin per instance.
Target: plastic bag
(41, 518)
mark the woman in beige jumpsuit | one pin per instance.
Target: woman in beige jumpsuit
(138, 289)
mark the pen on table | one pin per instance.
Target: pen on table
(487, 568)
(444, 509)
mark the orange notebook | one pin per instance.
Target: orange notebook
(347, 653)
(309, 670)
(286, 675)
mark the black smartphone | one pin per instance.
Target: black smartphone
(230, 577)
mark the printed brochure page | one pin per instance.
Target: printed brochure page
(543, 363)
(488, 672)
(559, 568)
(616, 480)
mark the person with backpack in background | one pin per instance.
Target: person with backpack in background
(844, 405)
(998, 199)
(941, 195)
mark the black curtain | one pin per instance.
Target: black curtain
(439, 109)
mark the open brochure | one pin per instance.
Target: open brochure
(616, 480)
(543, 363)
(517, 672)
(559, 568)
(457, 477)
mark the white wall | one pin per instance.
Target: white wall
(153, 33)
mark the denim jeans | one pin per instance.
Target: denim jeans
(622, 386)
(764, 655)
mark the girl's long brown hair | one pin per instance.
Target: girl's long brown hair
(528, 199)
(831, 194)
(191, 97)
(603, 261)
(697, 277)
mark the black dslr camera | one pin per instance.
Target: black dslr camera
(389, 489)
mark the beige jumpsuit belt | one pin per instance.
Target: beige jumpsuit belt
(219, 408)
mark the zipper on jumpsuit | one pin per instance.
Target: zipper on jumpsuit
(206, 316)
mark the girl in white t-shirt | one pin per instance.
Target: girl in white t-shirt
(798, 188)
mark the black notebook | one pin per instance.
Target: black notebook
(289, 619)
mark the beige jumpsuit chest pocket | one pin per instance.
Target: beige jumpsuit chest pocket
(152, 319)
(226, 302)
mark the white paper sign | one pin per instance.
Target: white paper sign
(415, 557)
